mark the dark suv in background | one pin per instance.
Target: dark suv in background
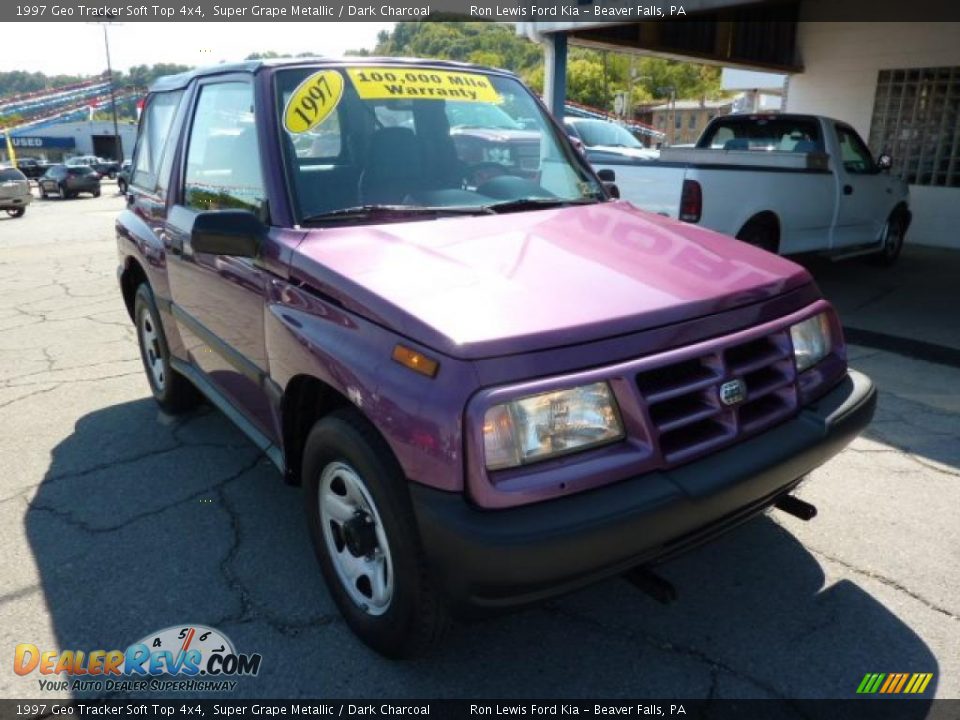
(32, 167)
(68, 181)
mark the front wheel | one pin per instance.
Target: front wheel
(365, 537)
(63, 193)
(16, 212)
(893, 236)
(172, 391)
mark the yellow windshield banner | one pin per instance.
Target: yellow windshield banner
(385, 83)
(312, 101)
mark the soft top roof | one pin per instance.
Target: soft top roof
(181, 80)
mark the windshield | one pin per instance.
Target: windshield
(416, 137)
(462, 114)
(598, 132)
(8, 174)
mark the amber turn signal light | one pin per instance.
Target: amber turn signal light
(418, 362)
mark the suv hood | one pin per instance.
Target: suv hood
(484, 286)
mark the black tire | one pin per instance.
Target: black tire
(893, 238)
(96, 193)
(416, 617)
(43, 193)
(122, 186)
(173, 392)
(112, 174)
(16, 212)
(761, 233)
(63, 192)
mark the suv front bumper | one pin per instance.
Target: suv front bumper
(500, 558)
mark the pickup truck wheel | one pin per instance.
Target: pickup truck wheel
(16, 212)
(893, 236)
(364, 534)
(760, 233)
(173, 392)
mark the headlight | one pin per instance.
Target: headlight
(542, 426)
(811, 341)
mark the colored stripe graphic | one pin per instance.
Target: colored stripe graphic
(894, 683)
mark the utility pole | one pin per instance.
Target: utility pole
(117, 145)
(673, 110)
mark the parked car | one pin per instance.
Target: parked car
(104, 168)
(68, 181)
(605, 140)
(123, 177)
(490, 392)
(15, 192)
(785, 183)
(485, 133)
(32, 167)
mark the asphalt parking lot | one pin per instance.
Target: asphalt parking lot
(116, 521)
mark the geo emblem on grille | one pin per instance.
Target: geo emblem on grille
(733, 392)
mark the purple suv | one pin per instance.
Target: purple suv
(493, 384)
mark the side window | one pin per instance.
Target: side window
(152, 138)
(223, 157)
(855, 155)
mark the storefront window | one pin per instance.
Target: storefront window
(916, 119)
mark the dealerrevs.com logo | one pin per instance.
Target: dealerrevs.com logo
(187, 658)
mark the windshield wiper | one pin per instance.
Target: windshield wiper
(364, 212)
(534, 203)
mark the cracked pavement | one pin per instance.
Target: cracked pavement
(118, 520)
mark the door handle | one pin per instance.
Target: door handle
(848, 189)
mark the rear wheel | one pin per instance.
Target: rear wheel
(365, 537)
(760, 232)
(170, 389)
(16, 212)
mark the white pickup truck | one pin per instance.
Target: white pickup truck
(786, 183)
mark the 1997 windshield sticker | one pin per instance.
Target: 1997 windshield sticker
(312, 101)
(385, 83)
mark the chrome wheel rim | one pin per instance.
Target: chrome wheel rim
(150, 347)
(354, 538)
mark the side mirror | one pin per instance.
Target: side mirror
(227, 232)
(884, 162)
(608, 177)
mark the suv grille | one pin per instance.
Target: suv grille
(683, 398)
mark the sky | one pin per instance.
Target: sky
(77, 47)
